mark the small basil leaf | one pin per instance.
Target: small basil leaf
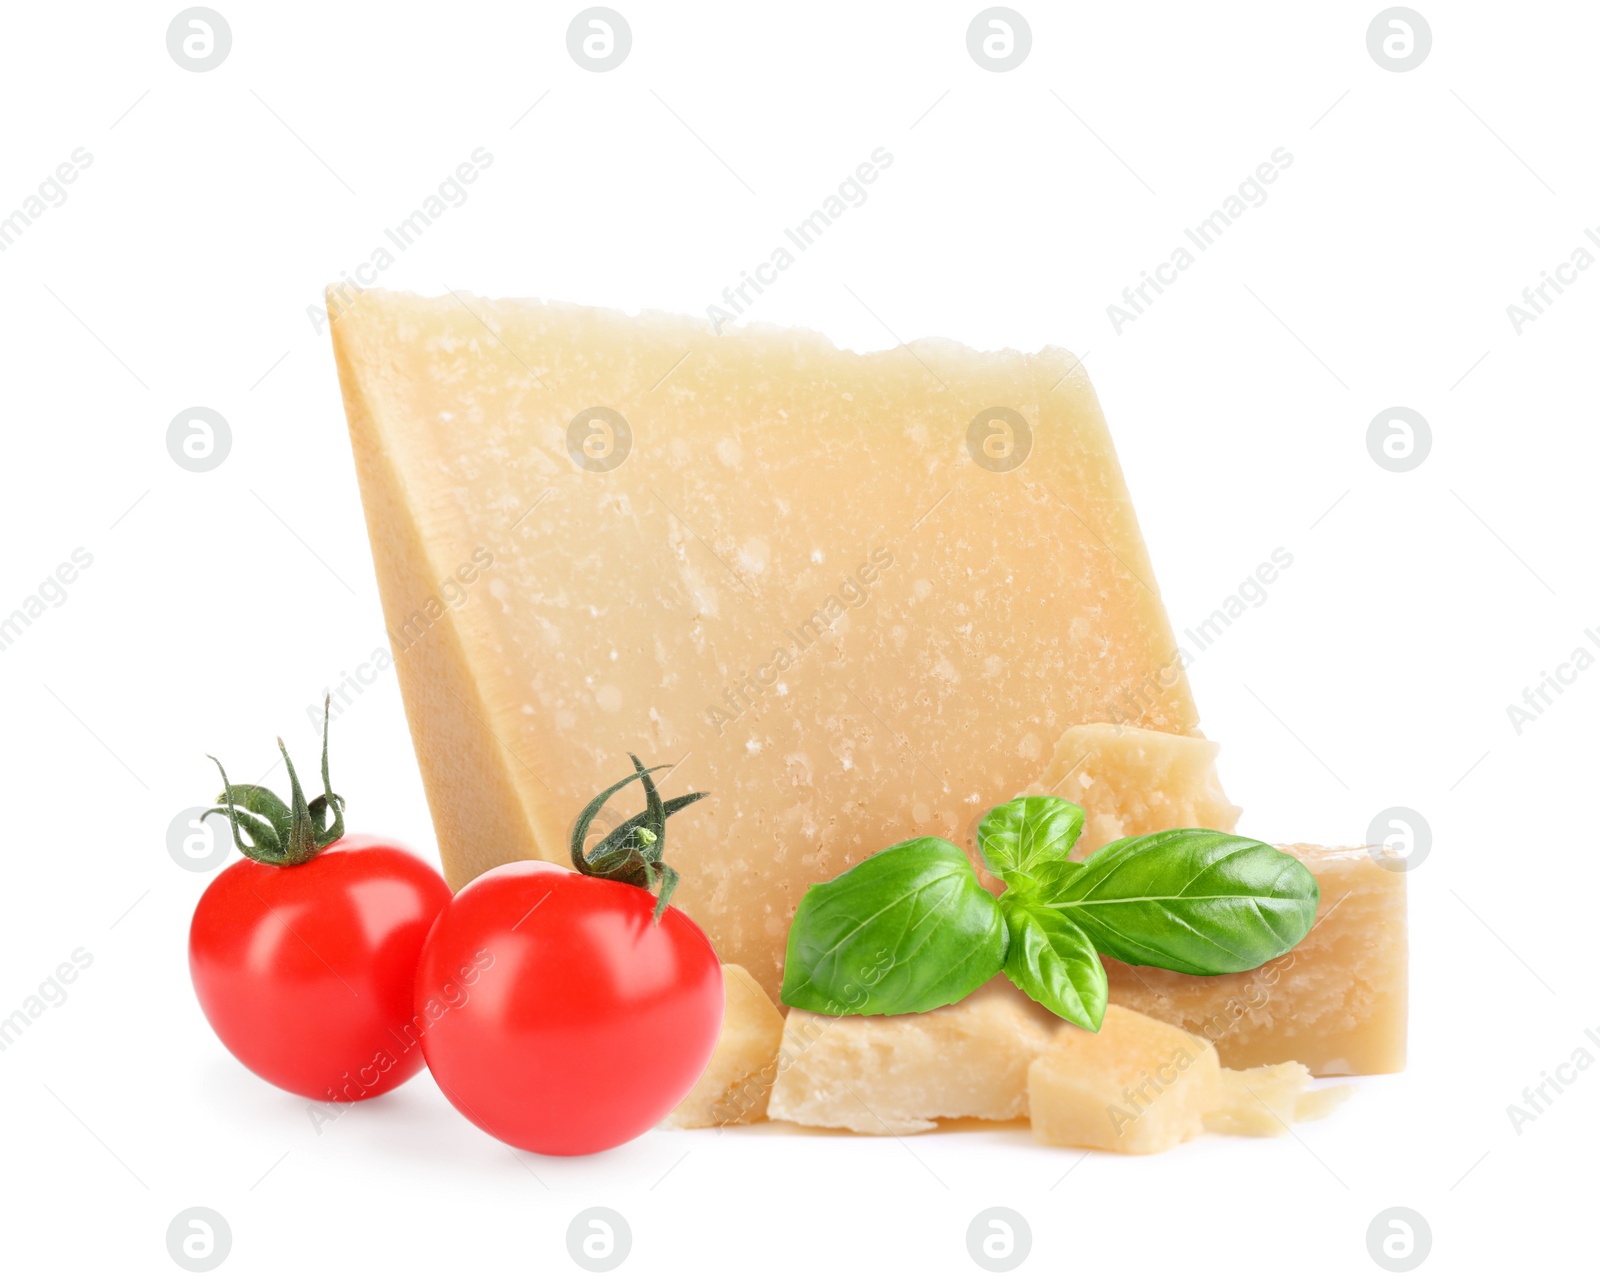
(1053, 962)
(1026, 841)
(908, 930)
(1193, 901)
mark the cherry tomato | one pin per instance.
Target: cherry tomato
(306, 972)
(558, 1014)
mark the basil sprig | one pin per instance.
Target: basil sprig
(911, 929)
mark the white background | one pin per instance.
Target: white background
(179, 272)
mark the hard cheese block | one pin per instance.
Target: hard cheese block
(736, 1082)
(1336, 1003)
(817, 579)
(1136, 1086)
(900, 1073)
(1133, 782)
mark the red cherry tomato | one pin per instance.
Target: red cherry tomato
(558, 1014)
(306, 972)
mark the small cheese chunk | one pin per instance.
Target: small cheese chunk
(1137, 1086)
(1262, 1102)
(899, 1074)
(1132, 782)
(734, 1087)
(1337, 1002)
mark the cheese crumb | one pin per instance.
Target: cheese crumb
(1262, 1102)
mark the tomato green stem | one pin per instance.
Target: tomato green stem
(282, 835)
(632, 852)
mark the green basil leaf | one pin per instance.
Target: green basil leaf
(1026, 842)
(1192, 901)
(908, 930)
(1053, 962)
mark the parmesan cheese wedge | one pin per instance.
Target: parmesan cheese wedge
(852, 596)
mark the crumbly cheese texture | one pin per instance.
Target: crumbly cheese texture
(901, 1073)
(738, 1079)
(1263, 1102)
(800, 582)
(1133, 782)
(1136, 1086)
(1336, 1002)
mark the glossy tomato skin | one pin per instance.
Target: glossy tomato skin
(306, 973)
(558, 1015)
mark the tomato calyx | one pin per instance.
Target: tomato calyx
(282, 835)
(632, 852)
